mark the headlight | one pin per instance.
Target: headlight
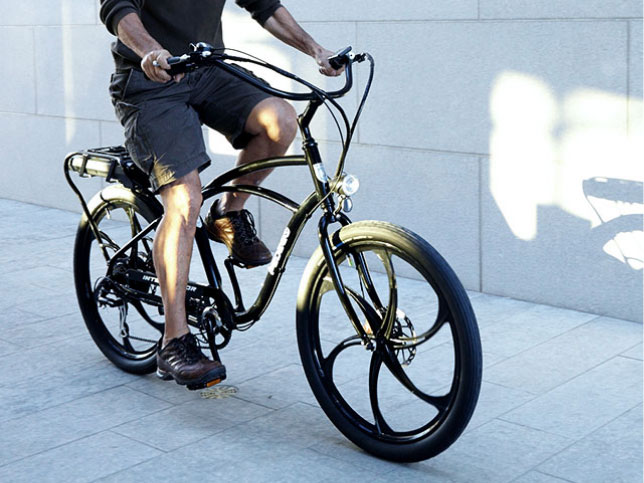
(349, 185)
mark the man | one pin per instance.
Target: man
(162, 117)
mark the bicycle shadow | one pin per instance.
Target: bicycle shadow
(593, 266)
(619, 206)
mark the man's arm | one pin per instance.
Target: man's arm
(283, 26)
(131, 32)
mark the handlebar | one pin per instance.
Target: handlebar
(205, 55)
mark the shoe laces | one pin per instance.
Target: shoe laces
(189, 350)
(244, 225)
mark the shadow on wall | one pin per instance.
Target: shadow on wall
(566, 178)
(618, 205)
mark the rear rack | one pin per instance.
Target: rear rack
(112, 163)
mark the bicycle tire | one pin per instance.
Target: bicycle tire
(376, 434)
(110, 199)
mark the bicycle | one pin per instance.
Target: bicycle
(354, 313)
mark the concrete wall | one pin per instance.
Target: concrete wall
(507, 133)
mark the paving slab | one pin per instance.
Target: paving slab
(612, 453)
(561, 398)
(68, 422)
(47, 331)
(83, 460)
(155, 387)
(538, 477)
(190, 422)
(505, 450)
(634, 352)
(586, 402)
(7, 348)
(279, 388)
(509, 337)
(548, 365)
(59, 387)
(494, 401)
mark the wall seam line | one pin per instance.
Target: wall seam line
(481, 20)
(33, 38)
(433, 20)
(480, 223)
(628, 78)
(359, 129)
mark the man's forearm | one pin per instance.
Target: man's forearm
(154, 57)
(132, 33)
(283, 26)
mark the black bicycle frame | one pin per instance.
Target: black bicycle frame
(321, 197)
(301, 213)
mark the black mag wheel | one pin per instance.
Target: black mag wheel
(126, 331)
(410, 392)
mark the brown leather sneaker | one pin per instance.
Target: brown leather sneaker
(236, 229)
(182, 360)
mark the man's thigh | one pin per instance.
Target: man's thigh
(162, 131)
(224, 103)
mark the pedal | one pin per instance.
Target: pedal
(204, 385)
(238, 263)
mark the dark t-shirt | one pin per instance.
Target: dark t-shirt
(176, 23)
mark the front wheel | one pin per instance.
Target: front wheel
(410, 391)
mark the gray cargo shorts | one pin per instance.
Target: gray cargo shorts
(162, 122)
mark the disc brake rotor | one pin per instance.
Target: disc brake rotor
(403, 328)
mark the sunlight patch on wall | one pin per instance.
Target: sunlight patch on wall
(522, 151)
(218, 144)
(243, 33)
(575, 153)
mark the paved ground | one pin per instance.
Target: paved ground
(561, 398)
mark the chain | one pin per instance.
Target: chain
(142, 339)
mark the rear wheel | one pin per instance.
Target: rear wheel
(408, 394)
(127, 331)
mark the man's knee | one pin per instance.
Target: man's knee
(277, 120)
(182, 199)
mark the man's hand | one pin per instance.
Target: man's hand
(157, 72)
(322, 58)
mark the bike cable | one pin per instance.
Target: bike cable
(326, 98)
(320, 92)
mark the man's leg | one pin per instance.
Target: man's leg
(273, 124)
(173, 249)
(180, 357)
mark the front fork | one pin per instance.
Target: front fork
(336, 277)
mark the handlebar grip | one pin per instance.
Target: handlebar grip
(177, 65)
(340, 58)
(336, 63)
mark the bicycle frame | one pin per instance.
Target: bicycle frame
(301, 213)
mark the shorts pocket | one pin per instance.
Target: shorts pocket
(135, 139)
(119, 82)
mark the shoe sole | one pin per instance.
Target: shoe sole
(209, 379)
